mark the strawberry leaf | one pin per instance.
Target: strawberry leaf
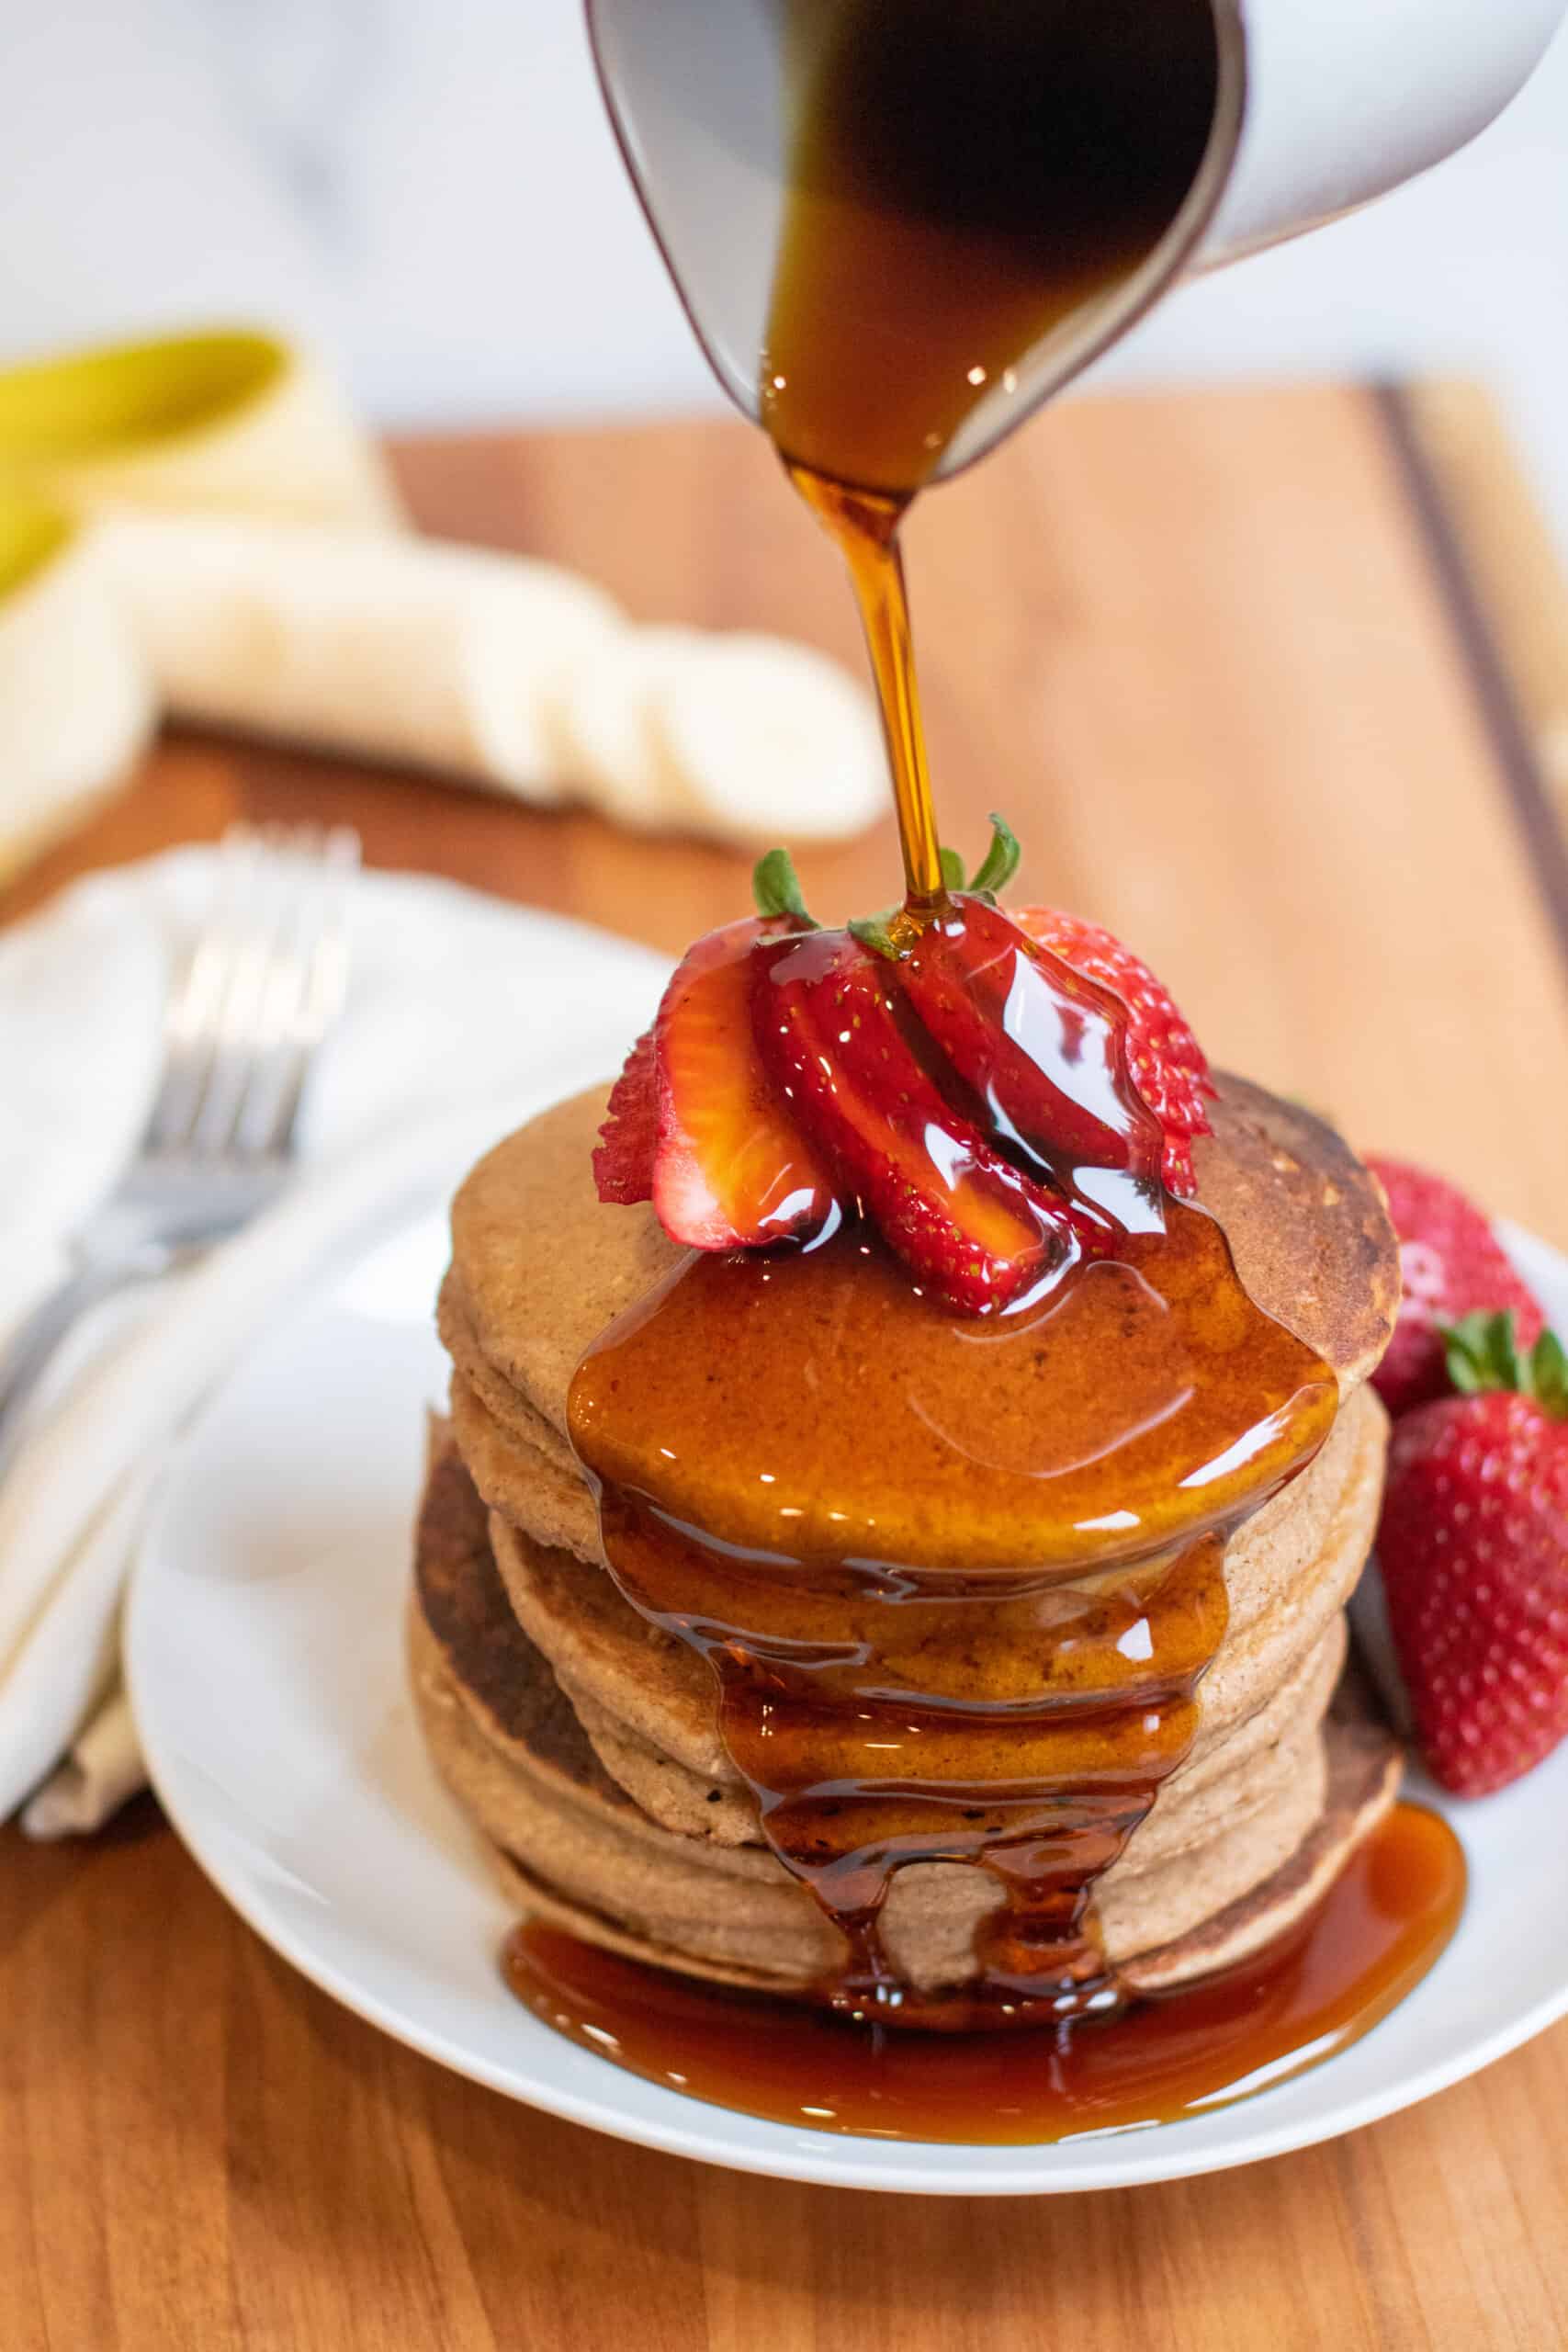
(775, 885)
(875, 931)
(1464, 1360)
(1548, 1373)
(1506, 1360)
(1482, 1354)
(1000, 863)
(951, 870)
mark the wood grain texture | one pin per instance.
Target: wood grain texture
(1194, 649)
(1512, 555)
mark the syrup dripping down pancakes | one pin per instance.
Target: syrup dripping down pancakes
(584, 1741)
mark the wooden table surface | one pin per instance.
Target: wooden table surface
(1214, 658)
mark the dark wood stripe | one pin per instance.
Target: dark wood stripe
(1514, 749)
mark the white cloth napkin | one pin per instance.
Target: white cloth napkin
(462, 1013)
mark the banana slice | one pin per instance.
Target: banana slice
(604, 746)
(375, 644)
(76, 701)
(511, 673)
(754, 737)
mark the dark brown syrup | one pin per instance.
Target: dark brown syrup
(962, 179)
(1166, 2057)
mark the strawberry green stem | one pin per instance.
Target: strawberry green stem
(1483, 1355)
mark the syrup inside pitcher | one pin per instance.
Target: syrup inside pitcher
(961, 188)
(1022, 179)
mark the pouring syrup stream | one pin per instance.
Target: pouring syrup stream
(961, 184)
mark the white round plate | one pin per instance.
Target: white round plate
(265, 1662)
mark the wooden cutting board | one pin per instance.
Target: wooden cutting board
(1273, 683)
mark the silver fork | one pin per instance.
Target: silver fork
(264, 980)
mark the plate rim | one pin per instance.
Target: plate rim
(833, 2160)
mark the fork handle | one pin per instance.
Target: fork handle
(27, 1355)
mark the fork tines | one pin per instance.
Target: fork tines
(264, 978)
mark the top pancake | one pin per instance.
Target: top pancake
(543, 1266)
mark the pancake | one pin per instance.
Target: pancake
(699, 1805)
(1364, 1766)
(540, 1266)
(1287, 1574)
(1361, 1781)
(553, 1506)
(577, 1849)
(490, 1658)
(507, 1406)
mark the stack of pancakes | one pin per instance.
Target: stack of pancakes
(584, 1743)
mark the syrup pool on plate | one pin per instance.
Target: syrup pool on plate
(1309, 1996)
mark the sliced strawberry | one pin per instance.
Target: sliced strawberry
(998, 1094)
(1043, 1045)
(1451, 1264)
(730, 1168)
(1165, 1060)
(944, 1200)
(622, 1159)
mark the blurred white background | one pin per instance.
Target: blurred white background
(428, 189)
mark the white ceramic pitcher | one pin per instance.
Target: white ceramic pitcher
(1320, 105)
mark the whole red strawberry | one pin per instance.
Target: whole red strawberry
(1451, 1265)
(1474, 1550)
